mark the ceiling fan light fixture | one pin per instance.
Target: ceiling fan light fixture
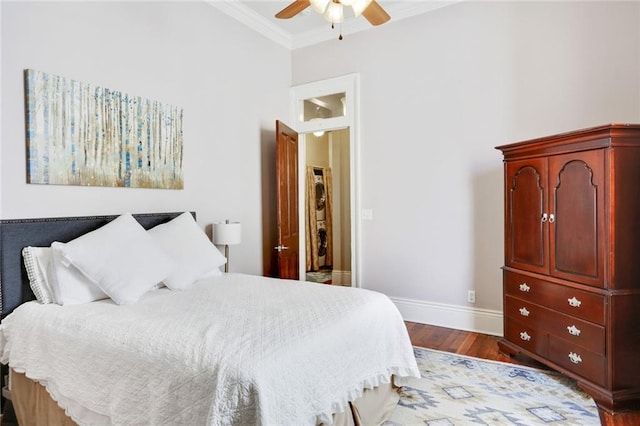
(360, 6)
(334, 13)
(320, 6)
(333, 10)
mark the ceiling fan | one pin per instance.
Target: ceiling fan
(333, 10)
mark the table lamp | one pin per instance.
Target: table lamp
(225, 234)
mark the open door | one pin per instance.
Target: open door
(287, 203)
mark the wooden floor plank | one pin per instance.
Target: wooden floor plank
(461, 342)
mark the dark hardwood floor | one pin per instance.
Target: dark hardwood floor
(462, 342)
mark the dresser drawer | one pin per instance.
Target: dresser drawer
(571, 301)
(577, 331)
(526, 337)
(578, 360)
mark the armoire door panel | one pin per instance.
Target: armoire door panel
(577, 226)
(526, 203)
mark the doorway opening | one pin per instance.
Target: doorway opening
(327, 207)
(325, 116)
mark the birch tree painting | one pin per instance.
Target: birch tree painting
(82, 134)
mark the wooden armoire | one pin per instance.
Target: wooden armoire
(571, 278)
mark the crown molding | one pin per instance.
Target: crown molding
(253, 20)
(412, 8)
(398, 12)
(260, 24)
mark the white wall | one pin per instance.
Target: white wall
(231, 82)
(438, 93)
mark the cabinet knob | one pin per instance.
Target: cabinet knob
(552, 218)
(573, 330)
(544, 217)
(575, 358)
(574, 302)
(525, 336)
(524, 312)
(524, 287)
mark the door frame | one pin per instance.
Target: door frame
(350, 85)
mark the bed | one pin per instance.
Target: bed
(220, 349)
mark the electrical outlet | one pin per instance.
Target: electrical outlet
(471, 296)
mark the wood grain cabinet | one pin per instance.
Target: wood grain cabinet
(571, 280)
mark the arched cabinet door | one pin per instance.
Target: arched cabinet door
(577, 227)
(526, 215)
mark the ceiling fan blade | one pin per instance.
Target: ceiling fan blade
(293, 9)
(375, 14)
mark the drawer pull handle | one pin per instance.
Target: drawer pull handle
(573, 330)
(524, 312)
(552, 218)
(525, 336)
(574, 302)
(524, 287)
(544, 217)
(575, 358)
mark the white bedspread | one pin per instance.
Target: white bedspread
(235, 349)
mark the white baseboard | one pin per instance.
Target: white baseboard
(451, 316)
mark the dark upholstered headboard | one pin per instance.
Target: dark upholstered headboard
(18, 233)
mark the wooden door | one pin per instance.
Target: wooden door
(526, 215)
(577, 227)
(287, 202)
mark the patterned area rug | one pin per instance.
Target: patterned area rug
(461, 390)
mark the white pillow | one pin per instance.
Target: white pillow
(211, 274)
(120, 258)
(193, 254)
(36, 262)
(70, 286)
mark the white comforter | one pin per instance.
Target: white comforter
(235, 349)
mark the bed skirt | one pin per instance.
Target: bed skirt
(34, 406)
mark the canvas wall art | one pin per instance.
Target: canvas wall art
(83, 134)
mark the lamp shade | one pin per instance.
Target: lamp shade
(227, 233)
(334, 13)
